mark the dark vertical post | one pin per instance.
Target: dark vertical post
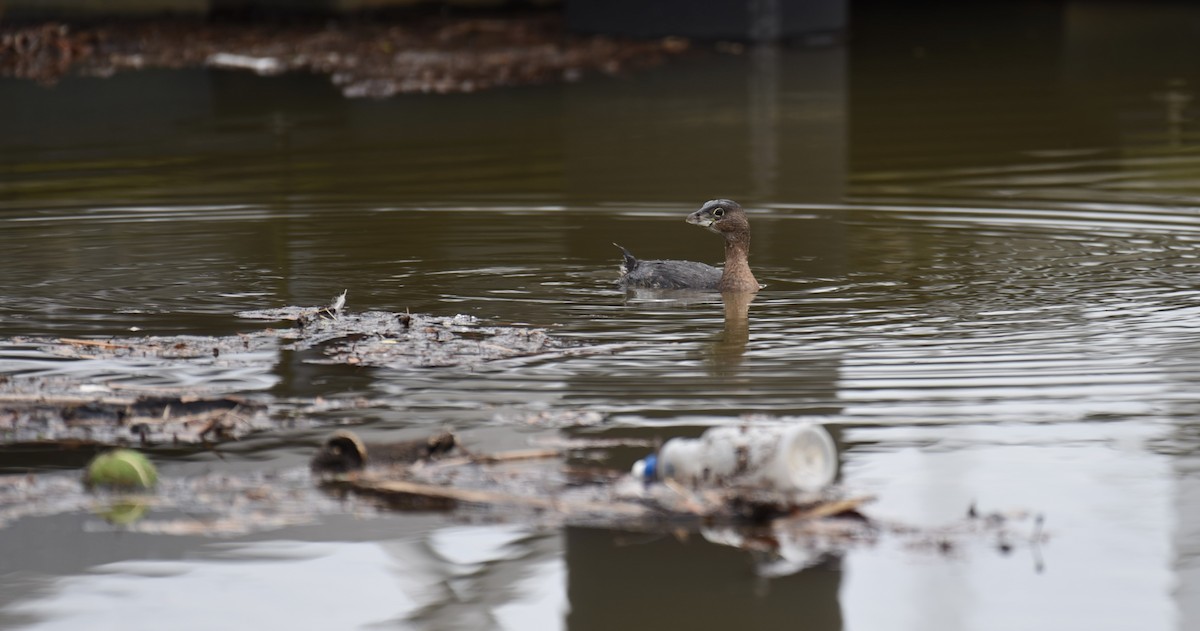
(763, 112)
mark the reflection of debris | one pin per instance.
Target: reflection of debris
(364, 59)
(1177, 101)
(787, 545)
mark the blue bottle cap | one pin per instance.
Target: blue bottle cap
(650, 473)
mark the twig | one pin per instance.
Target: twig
(61, 400)
(165, 391)
(689, 499)
(96, 343)
(505, 456)
(828, 509)
(522, 454)
(237, 418)
(495, 498)
(502, 349)
(579, 444)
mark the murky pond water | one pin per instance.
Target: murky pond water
(980, 252)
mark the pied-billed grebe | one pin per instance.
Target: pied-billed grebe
(723, 217)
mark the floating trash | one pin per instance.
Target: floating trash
(799, 457)
(344, 451)
(121, 469)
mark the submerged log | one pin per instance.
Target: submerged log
(120, 420)
(344, 451)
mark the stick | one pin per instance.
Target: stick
(827, 509)
(62, 400)
(97, 343)
(689, 499)
(505, 456)
(496, 498)
(521, 454)
(502, 349)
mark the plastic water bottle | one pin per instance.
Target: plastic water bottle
(797, 457)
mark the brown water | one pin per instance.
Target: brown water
(980, 247)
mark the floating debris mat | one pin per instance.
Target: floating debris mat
(581, 498)
(382, 338)
(786, 531)
(230, 350)
(536, 481)
(535, 487)
(211, 504)
(117, 420)
(105, 405)
(440, 470)
(371, 338)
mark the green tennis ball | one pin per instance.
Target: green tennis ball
(121, 468)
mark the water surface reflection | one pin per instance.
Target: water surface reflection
(980, 259)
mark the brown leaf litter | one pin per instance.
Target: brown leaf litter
(429, 54)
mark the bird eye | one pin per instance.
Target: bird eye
(719, 212)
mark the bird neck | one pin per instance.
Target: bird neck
(737, 275)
